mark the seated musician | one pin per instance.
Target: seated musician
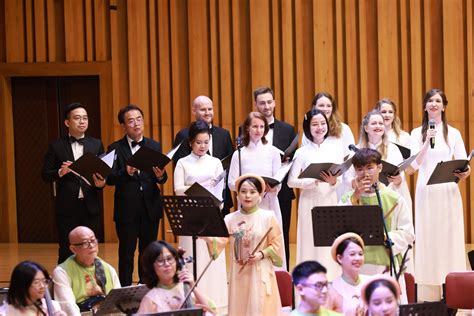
(168, 282)
(83, 279)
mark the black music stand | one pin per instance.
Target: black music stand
(126, 300)
(329, 222)
(180, 312)
(424, 309)
(194, 216)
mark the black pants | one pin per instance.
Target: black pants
(141, 228)
(77, 215)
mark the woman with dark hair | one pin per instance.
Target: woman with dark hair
(344, 294)
(439, 212)
(168, 281)
(259, 157)
(206, 170)
(256, 243)
(315, 192)
(28, 284)
(381, 295)
(393, 125)
(337, 130)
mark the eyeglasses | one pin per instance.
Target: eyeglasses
(135, 121)
(371, 170)
(162, 260)
(87, 243)
(38, 283)
(318, 286)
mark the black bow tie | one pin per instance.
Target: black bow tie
(211, 129)
(80, 141)
(134, 143)
(271, 125)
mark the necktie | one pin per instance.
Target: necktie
(72, 139)
(134, 143)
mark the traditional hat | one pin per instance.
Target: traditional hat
(250, 175)
(340, 239)
(375, 278)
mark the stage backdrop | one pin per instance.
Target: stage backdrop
(160, 54)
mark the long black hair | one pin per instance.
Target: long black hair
(22, 277)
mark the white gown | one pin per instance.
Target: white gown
(439, 217)
(190, 169)
(314, 194)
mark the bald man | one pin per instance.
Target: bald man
(221, 142)
(83, 275)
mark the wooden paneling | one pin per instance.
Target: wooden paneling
(163, 53)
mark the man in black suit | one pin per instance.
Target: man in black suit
(220, 145)
(138, 206)
(77, 203)
(280, 135)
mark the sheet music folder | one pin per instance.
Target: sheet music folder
(314, 170)
(288, 153)
(125, 298)
(406, 152)
(443, 171)
(389, 169)
(194, 216)
(198, 190)
(329, 222)
(89, 164)
(146, 158)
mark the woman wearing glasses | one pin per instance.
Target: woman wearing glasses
(168, 282)
(28, 284)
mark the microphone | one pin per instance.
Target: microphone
(432, 125)
(353, 148)
(239, 142)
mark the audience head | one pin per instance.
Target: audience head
(160, 264)
(316, 125)
(381, 294)
(348, 251)
(131, 119)
(249, 188)
(264, 101)
(84, 245)
(199, 137)
(309, 278)
(203, 109)
(76, 119)
(28, 283)
(326, 103)
(255, 128)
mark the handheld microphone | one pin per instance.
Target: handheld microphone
(353, 148)
(432, 125)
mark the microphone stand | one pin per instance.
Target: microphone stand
(388, 242)
(239, 145)
(402, 265)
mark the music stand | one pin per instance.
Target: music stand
(329, 222)
(424, 309)
(123, 300)
(194, 216)
(180, 312)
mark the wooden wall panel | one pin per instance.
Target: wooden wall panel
(163, 53)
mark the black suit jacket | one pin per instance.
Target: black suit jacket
(221, 143)
(127, 188)
(283, 134)
(67, 187)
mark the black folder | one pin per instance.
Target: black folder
(389, 170)
(146, 158)
(90, 164)
(279, 176)
(444, 170)
(198, 190)
(314, 170)
(406, 152)
(288, 153)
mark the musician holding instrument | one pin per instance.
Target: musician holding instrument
(169, 282)
(27, 293)
(256, 242)
(83, 280)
